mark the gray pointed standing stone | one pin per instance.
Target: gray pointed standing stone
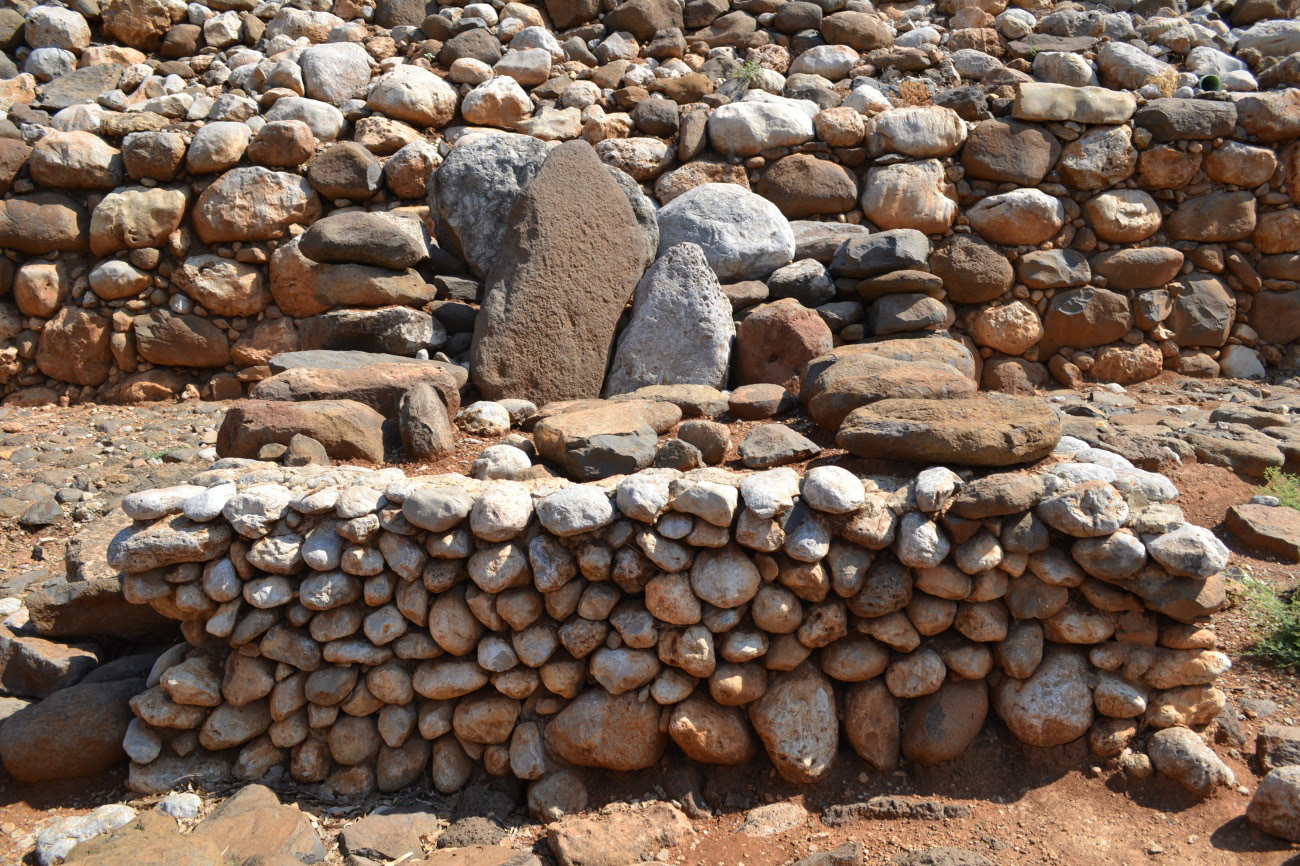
(681, 328)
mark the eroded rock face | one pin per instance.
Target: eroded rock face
(556, 291)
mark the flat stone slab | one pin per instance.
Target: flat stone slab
(379, 386)
(1041, 101)
(1271, 528)
(973, 432)
(348, 359)
(1031, 45)
(610, 438)
(80, 85)
(775, 445)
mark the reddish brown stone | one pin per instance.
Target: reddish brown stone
(348, 430)
(1127, 364)
(1083, 318)
(379, 386)
(253, 822)
(1274, 529)
(776, 341)
(43, 223)
(972, 270)
(1009, 151)
(181, 341)
(801, 185)
(264, 340)
(1012, 375)
(1138, 267)
(73, 733)
(153, 386)
(75, 347)
(282, 144)
(13, 156)
(971, 432)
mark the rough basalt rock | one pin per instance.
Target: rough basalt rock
(555, 293)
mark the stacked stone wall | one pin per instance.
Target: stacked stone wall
(364, 629)
(1088, 206)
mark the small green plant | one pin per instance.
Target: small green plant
(1282, 485)
(159, 454)
(1275, 622)
(749, 72)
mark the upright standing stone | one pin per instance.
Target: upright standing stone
(681, 328)
(571, 260)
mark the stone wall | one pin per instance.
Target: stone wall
(362, 629)
(1097, 194)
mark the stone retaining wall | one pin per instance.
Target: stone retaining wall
(362, 629)
(1075, 232)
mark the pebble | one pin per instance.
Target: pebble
(183, 806)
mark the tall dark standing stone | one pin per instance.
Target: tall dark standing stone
(570, 261)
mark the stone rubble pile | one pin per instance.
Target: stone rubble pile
(190, 189)
(366, 630)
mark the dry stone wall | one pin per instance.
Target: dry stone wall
(363, 629)
(190, 190)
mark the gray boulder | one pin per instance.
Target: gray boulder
(681, 328)
(325, 121)
(1275, 808)
(335, 72)
(392, 330)
(880, 253)
(1053, 706)
(426, 431)
(1182, 755)
(744, 236)
(471, 194)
